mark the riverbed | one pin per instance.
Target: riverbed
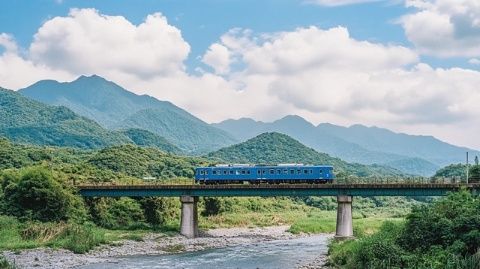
(263, 248)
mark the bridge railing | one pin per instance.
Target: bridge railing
(341, 180)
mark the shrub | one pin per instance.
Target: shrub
(37, 196)
(159, 210)
(116, 213)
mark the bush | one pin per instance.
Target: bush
(159, 210)
(36, 196)
(116, 213)
(4, 264)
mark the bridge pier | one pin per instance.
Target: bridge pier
(189, 216)
(344, 217)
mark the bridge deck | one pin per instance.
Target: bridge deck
(266, 190)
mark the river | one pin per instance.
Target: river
(285, 254)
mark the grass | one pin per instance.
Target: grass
(4, 264)
(15, 235)
(325, 222)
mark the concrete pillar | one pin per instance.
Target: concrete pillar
(189, 216)
(344, 217)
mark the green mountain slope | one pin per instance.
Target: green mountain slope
(145, 138)
(275, 148)
(143, 162)
(27, 121)
(192, 136)
(116, 108)
(412, 154)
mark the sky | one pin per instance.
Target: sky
(412, 66)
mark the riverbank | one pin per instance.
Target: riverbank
(150, 244)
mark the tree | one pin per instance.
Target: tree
(38, 196)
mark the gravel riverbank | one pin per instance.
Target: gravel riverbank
(152, 244)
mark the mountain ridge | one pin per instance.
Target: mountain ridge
(116, 108)
(357, 143)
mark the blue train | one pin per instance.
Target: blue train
(273, 174)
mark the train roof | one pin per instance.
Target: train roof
(263, 165)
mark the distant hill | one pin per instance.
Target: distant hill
(275, 148)
(143, 162)
(146, 138)
(366, 145)
(116, 108)
(27, 121)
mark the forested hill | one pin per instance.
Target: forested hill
(146, 138)
(117, 108)
(27, 121)
(275, 148)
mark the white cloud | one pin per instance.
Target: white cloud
(334, 3)
(444, 28)
(89, 42)
(474, 61)
(218, 57)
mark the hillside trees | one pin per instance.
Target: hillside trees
(36, 195)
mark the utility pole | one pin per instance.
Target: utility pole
(467, 167)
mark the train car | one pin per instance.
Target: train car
(256, 174)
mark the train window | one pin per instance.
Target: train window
(224, 172)
(231, 172)
(299, 171)
(320, 171)
(243, 172)
(201, 172)
(292, 171)
(258, 172)
(285, 171)
(214, 172)
(206, 172)
(248, 172)
(272, 171)
(264, 172)
(311, 171)
(305, 171)
(279, 171)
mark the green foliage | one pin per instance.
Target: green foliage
(37, 196)
(445, 234)
(116, 213)
(146, 138)
(27, 121)
(142, 162)
(159, 211)
(275, 148)
(4, 264)
(452, 171)
(474, 173)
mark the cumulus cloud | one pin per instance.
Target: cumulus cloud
(89, 42)
(218, 57)
(444, 28)
(334, 3)
(474, 61)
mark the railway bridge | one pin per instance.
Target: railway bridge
(344, 192)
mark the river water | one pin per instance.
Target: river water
(284, 254)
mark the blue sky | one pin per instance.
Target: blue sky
(203, 22)
(408, 65)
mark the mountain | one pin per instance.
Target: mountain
(421, 155)
(27, 121)
(275, 148)
(145, 138)
(116, 108)
(318, 139)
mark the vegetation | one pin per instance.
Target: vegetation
(26, 121)
(444, 234)
(145, 138)
(274, 148)
(92, 97)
